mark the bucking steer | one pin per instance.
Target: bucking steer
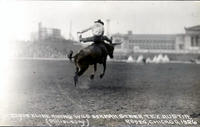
(91, 55)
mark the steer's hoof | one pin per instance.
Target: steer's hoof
(91, 77)
(75, 80)
(101, 75)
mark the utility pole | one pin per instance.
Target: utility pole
(70, 31)
(108, 27)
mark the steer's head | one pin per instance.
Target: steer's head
(111, 49)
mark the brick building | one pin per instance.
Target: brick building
(45, 33)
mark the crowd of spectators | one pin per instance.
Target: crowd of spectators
(41, 50)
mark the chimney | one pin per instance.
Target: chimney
(39, 31)
(130, 32)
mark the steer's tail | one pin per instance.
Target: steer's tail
(70, 55)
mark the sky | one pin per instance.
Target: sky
(20, 19)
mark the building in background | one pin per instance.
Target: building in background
(45, 33)
(134, 42)
(186, 42)
(190, 40)
(174, 45)
(48, 42)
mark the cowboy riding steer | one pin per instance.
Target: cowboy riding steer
(91, 55)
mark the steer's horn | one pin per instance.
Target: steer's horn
(114, 44)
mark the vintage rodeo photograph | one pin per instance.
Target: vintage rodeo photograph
(100, 63)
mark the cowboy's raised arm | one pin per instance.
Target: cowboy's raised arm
(85, 30)
(88, 39)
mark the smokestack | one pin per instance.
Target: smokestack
(70, 31)
(39, 31)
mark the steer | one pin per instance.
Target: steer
(91, 55)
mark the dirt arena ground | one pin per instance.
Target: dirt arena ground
(46, 87)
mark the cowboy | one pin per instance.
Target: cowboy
(98, 33)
